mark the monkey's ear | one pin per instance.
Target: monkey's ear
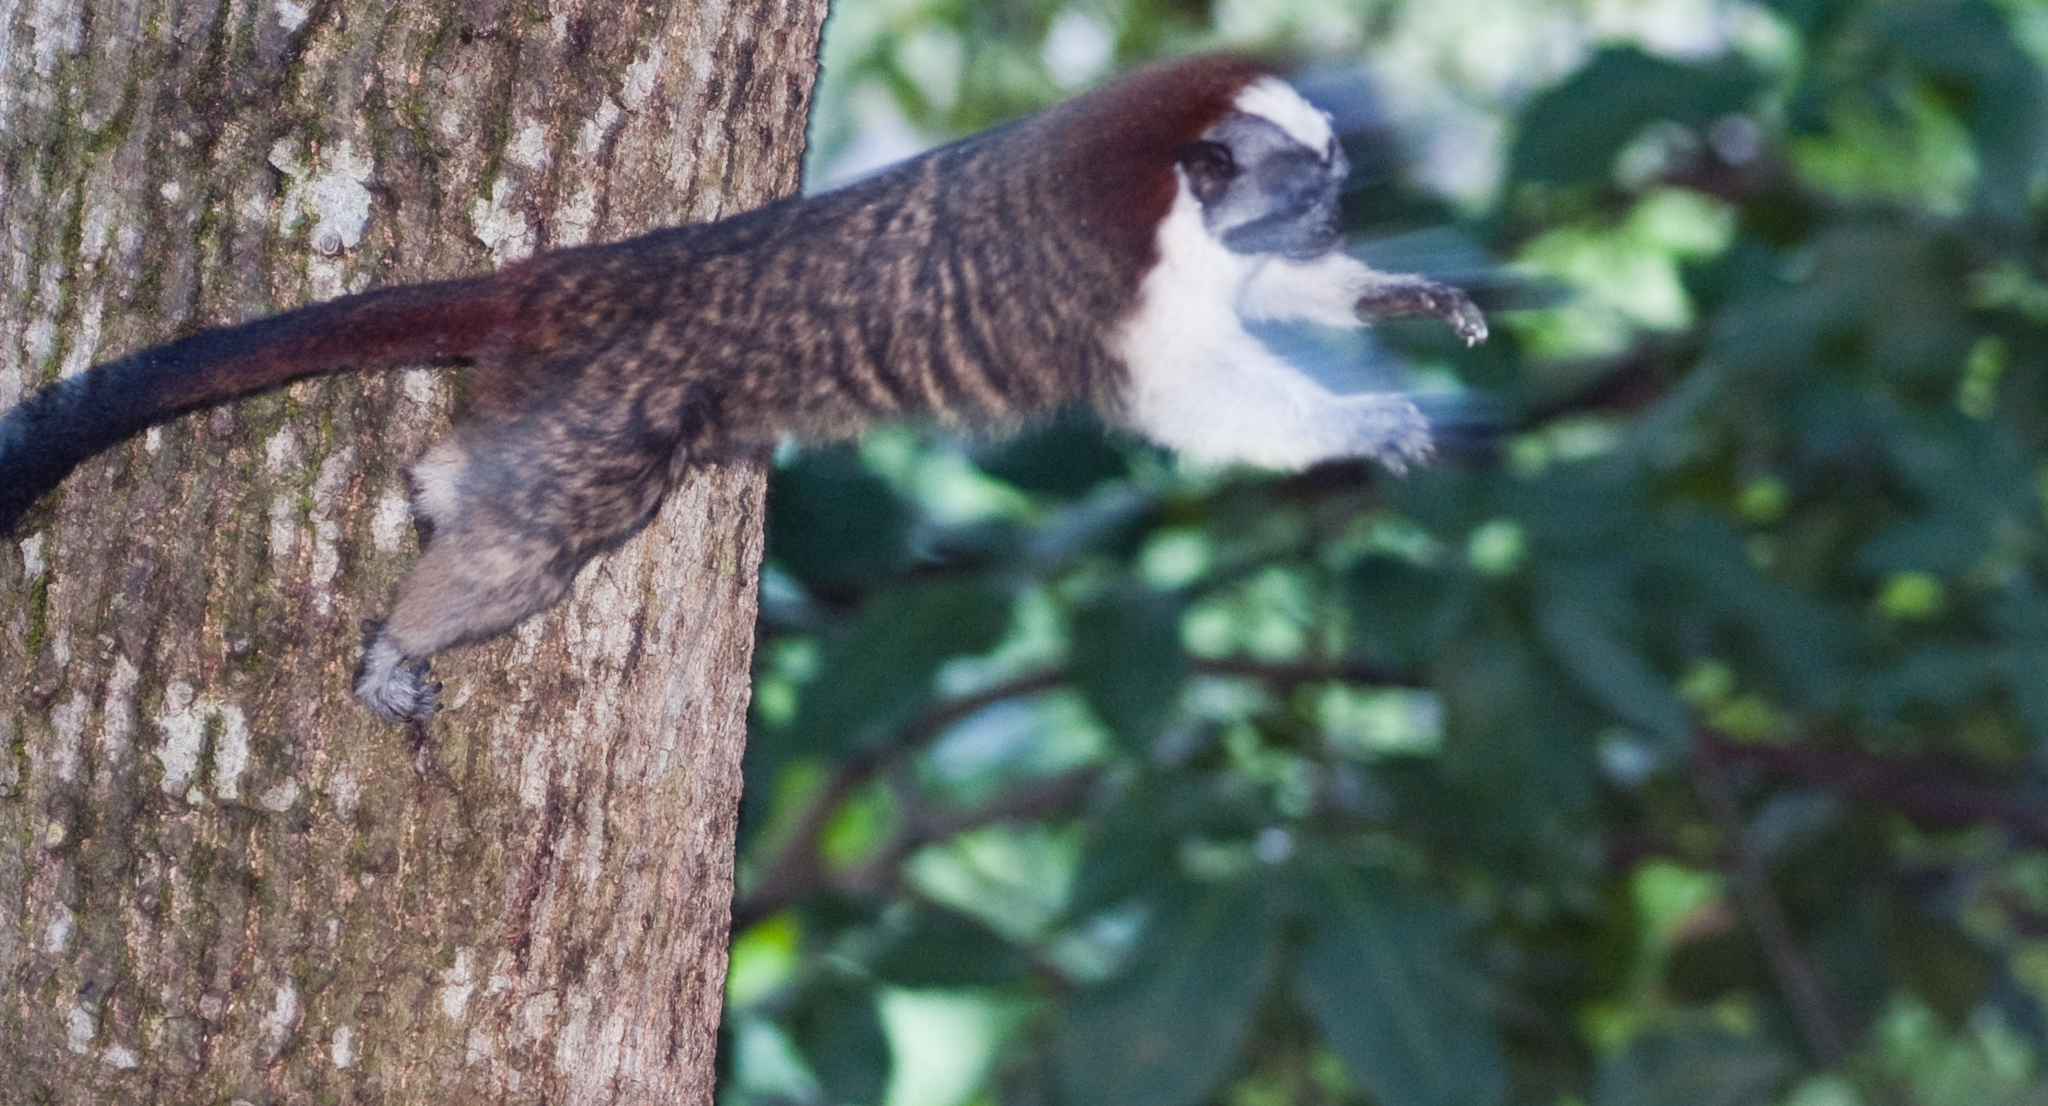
(1210, 168)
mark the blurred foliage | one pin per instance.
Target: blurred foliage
(1678, 737)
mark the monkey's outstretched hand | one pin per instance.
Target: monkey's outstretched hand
(1413, 295)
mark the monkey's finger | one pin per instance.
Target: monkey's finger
(1467, 321)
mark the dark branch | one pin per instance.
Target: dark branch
(1927, 791)
(1294, 675)
(1797, 980)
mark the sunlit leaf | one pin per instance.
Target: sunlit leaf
(2000, 92)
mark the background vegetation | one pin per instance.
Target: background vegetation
(1677, 738)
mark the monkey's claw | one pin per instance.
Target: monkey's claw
(1416, 296)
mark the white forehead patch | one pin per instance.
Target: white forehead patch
(1273, 99)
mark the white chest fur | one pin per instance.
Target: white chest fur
(1203, 385)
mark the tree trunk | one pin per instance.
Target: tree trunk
(222, 879)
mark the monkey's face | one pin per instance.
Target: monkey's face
(1263, 189)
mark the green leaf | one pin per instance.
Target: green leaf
(1168, 1030)
(1948, 971)
(1571, 134)
(1800, 639)
(833, 524)
(1396, 997)
(2025, 671)
(1998, 92)
(1513, 746)
(1401, 610)
(1942, 543)
(1808, 14)
(874, 675)
(940, 948)
(1062, 458)
(1690, 1065)
(1611, 670)
(1127, 661)
(838, 1029)
(1938, 675)
(1130, 847)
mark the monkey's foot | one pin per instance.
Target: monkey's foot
(1416, 296)
(1388, 427)
(393, 689)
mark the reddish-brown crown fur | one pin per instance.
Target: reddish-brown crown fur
(1125, 139)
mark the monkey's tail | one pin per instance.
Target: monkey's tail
(59, 427)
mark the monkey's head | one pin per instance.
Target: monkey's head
(1267, 174)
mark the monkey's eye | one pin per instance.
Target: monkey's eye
(1210, 168)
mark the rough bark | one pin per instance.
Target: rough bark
(220, 879)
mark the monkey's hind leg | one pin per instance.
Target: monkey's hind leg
(472, 583)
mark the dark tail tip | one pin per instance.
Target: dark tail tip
(12, 507)
(41, 441)
(24, 482)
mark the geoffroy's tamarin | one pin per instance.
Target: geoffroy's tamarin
(1110, 251)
